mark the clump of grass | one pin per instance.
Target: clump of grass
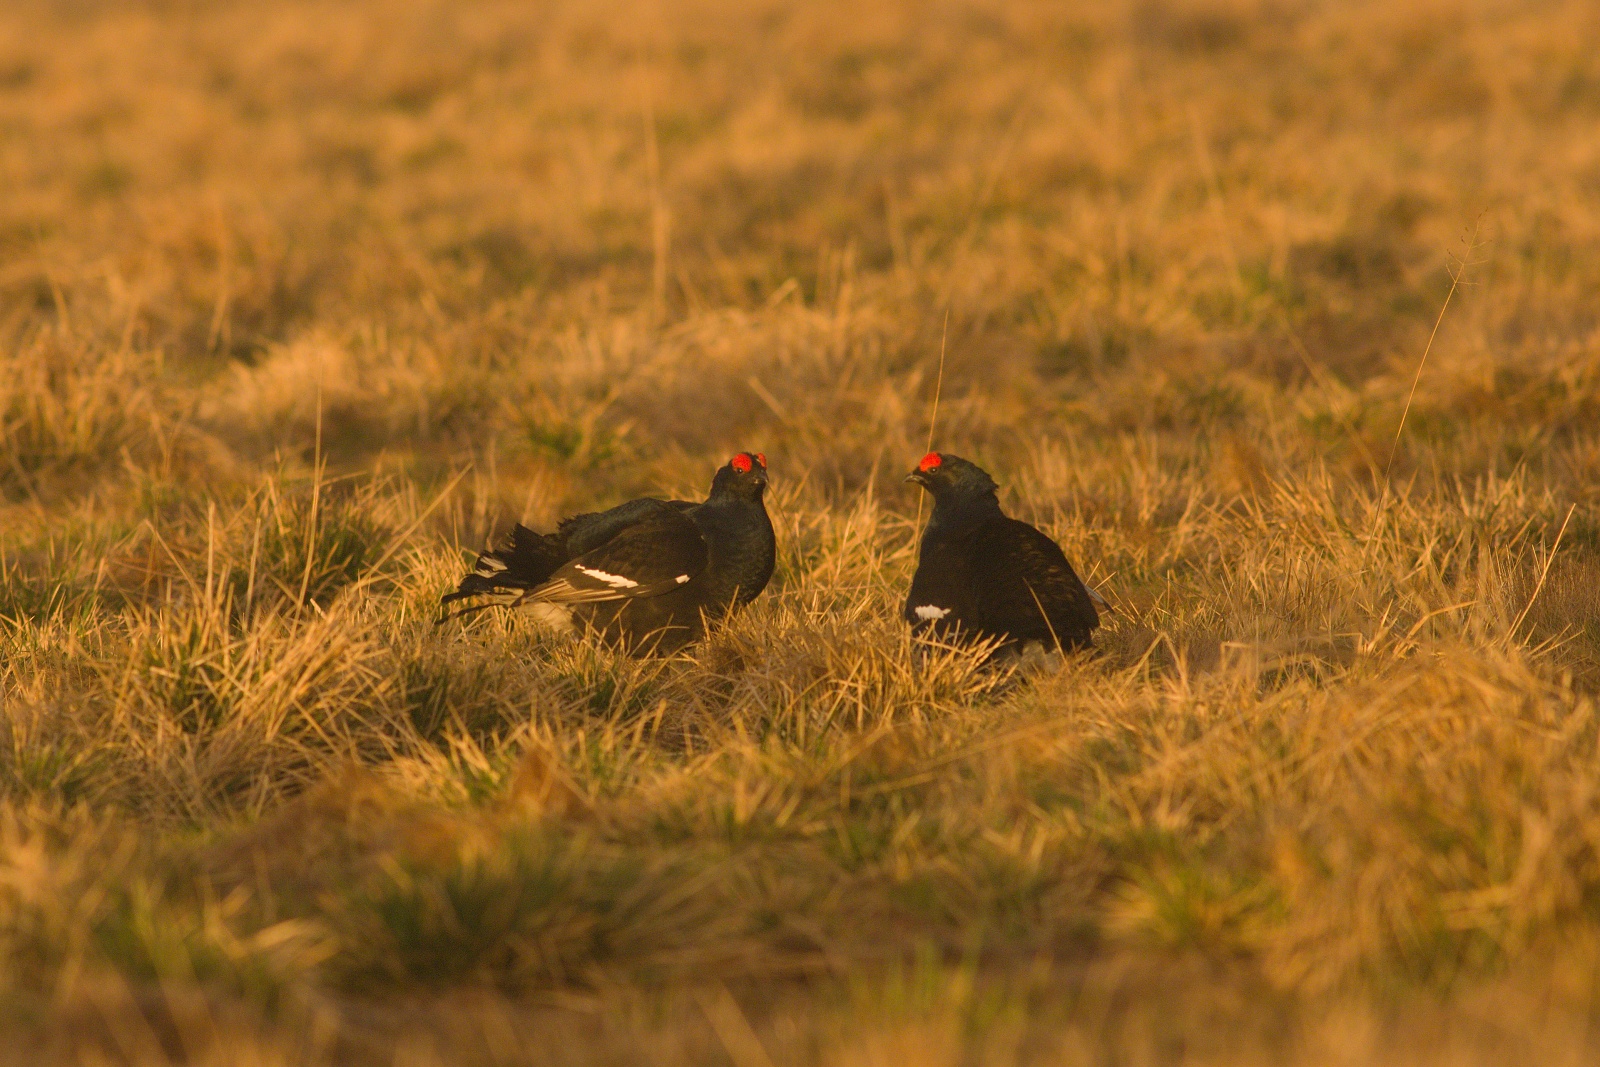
(214, 715)
(533, 912)
(456, 689)
(305, 544)
(66, 413)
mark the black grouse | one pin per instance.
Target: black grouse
(645, 575)
(981, 574)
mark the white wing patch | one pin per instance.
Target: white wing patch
(490, 565)
(615, 581)
(680, 579)
(929, 612)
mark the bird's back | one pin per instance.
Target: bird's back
(1031, 592)
(586, 532)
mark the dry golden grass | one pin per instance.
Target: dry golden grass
(301, 302)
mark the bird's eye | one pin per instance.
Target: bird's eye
(930, 462)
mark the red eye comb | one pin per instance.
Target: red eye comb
(930, 462)
(761, 458)
(740, 463)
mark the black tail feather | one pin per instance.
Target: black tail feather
(446, 614)
(524, 561)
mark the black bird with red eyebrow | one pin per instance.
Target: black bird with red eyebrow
(646, 575)
(982, 575)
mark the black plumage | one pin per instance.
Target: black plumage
(981, 574)
(645, 575)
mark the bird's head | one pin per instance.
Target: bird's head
(949, 477)
(745, 475)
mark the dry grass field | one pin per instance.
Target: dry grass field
(300, 302)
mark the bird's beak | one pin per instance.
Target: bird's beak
(918, 477)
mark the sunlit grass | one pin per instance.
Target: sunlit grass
(299, 305)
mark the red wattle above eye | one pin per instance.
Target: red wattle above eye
(930, 462)
(740, 463)
(761, 458)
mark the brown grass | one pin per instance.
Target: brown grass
(300, 303)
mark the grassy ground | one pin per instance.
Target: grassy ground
(301, 302)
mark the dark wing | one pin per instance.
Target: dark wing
(587, 532)
(1033, 592)
(662, 553)
(525, 560)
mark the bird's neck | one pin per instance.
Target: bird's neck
(743, 547)
(729, 505)
(958, 512)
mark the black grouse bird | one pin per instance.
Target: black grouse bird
(981, 574)
(645, 575)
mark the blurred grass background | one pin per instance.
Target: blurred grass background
(300, 303)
